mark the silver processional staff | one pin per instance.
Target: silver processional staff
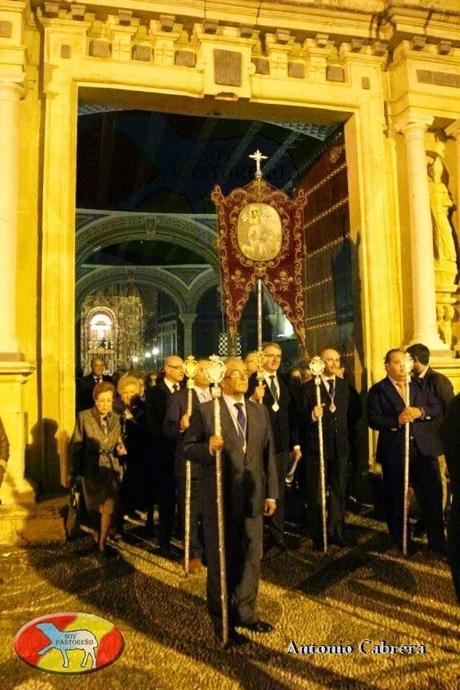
(316, 367)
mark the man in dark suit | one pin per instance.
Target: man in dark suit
(86, 384)
(176, 422)
(250, 490)
(388, 414)
(442, 389)
(280, 407)
(335, 412)
(450, 434)
(163, 449)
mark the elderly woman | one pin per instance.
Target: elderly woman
(96, 453)
(137, 480)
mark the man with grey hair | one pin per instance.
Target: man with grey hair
(281, 412)
(250, 490)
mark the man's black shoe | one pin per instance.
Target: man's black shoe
(257, 626)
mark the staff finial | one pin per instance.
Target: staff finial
(258, 157)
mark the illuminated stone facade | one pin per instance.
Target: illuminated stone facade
(388, 69)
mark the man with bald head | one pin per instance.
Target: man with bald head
(335, 412)
(250, 489)
(86, 384)
(163, 449)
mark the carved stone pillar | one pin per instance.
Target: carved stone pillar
(13, 370)
(187, 320)
(421, 236)
(11, 92)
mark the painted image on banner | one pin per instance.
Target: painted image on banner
(259, 232)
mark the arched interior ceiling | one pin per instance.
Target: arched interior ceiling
(168, 163)
(144, 181)
(185, 287)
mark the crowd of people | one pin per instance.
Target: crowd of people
(133, 439)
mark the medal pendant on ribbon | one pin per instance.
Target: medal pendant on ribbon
(332, 407)
(275, 407)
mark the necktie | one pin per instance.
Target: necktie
(331, 387)
(241, 422)
(175, 387)
(401, 389)
(273, 388)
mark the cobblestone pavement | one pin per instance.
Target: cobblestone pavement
(363, 592)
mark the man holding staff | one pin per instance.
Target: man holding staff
(334, 410)
(388, 414)
(276, 397)
(176, 422)
(249, 489)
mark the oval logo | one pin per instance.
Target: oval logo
(69, 643)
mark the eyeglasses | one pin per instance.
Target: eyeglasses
(237, 375)
(175, 366)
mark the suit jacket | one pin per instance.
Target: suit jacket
(249, 478)
(156, 401)
(283, 422)
(92, 448)
(384, 405)
(176, 407)
(335, 424)
(439, 385)
(450, 435)
(85, 391)
(134, 431)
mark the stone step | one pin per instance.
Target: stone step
(33, 522)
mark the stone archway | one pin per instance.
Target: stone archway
(100, 229)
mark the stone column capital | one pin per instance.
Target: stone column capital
(187, 318)
(453, 130)
(12, 83)
(413, 124)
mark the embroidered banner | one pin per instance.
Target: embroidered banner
(260, 231)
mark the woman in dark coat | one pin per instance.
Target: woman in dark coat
(137, 484)
(96, 455)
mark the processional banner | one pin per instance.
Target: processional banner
(261, 235)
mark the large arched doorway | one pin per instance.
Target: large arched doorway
(152, 213)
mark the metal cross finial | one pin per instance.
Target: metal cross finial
(257, 157)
